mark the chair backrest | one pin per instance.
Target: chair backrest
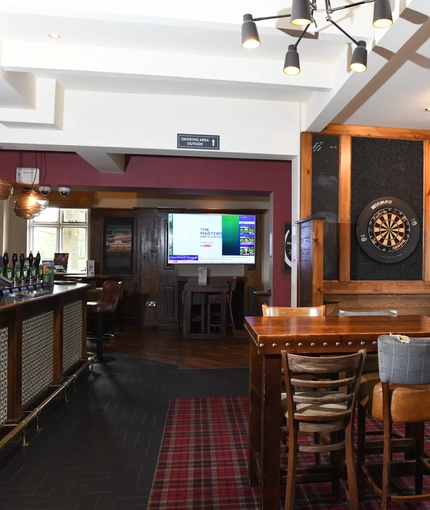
(111, 293)
(297, 311)
(404, 360)
(329, 380)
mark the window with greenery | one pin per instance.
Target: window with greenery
(61, 231)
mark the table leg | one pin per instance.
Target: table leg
(187, 314)
(271, 431)
(223, 324)
(254, 430)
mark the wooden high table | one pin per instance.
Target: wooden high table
(302, 335)
(216, 287)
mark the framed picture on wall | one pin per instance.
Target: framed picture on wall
(118, 245)
(286, 248)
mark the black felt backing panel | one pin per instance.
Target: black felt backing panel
(382, 167)
(325, 193)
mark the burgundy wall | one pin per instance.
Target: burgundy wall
(179, 174)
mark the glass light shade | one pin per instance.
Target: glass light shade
(301, 13)
(6, 190)
(29, 204)
(359, 58)
(382, 15)
(292, 61)
(250, 37)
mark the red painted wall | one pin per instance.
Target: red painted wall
(179, 174)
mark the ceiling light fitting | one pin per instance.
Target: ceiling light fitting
(302, 15)
(29, 204)
(6, 190)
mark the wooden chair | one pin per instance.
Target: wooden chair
(321, 398)
(295, 311)
(401, 395)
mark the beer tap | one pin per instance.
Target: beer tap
(21, 266)
(14, 261)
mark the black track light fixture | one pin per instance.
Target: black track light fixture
(302, 15)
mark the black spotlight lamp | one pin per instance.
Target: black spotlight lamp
(292, 60)
(250, 37)
(382, 14)
(359, 58)
(301, 13)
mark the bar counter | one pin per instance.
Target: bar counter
(42, 344)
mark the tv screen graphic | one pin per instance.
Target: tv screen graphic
(211, 238)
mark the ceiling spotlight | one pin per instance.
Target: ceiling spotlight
(292, 61)
(302, 15)
(359, 58)
(382, 15)
(250, 38)
(45, 190)
(64, 191)
(53, 35)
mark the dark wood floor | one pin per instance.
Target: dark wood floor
(169, 346)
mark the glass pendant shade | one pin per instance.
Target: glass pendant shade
(6, 190)
(359, 58)
(292, 61)
(382, 15)
(30, 204)
(250, 37)
(301, 13)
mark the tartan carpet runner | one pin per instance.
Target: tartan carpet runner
(203, 463)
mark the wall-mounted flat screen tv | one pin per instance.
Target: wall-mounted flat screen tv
(211, 238)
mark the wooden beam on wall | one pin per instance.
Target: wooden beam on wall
(306, 176)
(345, 207)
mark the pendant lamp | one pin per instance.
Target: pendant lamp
(30, 204)
(6, 190)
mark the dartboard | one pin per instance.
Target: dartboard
(388, 229)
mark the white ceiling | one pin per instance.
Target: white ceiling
(194, 48)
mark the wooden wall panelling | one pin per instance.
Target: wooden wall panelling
(345, 208)
(150, 232)
(128, 308)
(407, 296)
(310, 242)
(96, 242)
(377, 132)
(168, 317)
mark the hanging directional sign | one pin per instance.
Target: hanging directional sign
(198, 142)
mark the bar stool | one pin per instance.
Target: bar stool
(215, 299)
(102, 311)
(401, 394)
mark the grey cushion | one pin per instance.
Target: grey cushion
(404, 360)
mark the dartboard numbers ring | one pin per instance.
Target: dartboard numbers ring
(388, 229)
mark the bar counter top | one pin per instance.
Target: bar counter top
(24, 297)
